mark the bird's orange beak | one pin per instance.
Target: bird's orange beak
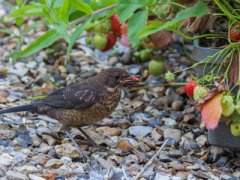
(131, 79)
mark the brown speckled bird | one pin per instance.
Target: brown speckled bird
(84, 103)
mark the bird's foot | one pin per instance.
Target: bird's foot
(80, 150)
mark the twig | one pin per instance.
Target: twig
(80, 20)
(151, 160)
(174, 84)
(124, 173)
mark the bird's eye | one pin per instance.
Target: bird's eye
(117, 77)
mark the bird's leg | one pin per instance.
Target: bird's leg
(90, 140)
(84, 155)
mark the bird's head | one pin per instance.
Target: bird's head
(115, 77)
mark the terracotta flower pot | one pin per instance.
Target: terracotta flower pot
(221, 136)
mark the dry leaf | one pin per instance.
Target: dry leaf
(124, 145)
(211, 112)
(233, 73)
(3, 96)
(213, 92)
(161, 39)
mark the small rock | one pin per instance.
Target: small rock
(113, 60)
(161, 176)
(27, 169)
(67, 150)
(189, 118)
(177, 165)
(177, 105)
(108, 131)
(201, 140)
(104, 163)
(64, 170)
(44, 148)
(193, 167)
(156, 135)
(172, 133)
(49, 139)
(6, 159)
(169, 121)
(35, 177)
(32, 64)
(12, 175)
(9, 134)
(62, 69)
(140, 131)
(66, 159)
(54, 163)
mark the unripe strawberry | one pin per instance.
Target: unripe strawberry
(235, 129)
(169, 76)
(227, 105)
(189, 88)
(111, 40)
(88, 41)
(237, 107)
(100, 41)
(199, 93)
(115, 25)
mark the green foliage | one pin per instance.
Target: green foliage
(62, 15)
(42, 42)
(136, 22)
(199, 9)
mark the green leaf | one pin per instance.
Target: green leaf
(7, 31)
(42, 42)
(81, 6)
(28, 10)
(199, 9)
(61, 28)
(136, 22)
(126, 8)
(76, 34)
(64, 12)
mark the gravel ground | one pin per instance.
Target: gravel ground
(133, 134)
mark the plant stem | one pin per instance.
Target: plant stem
(157, 85)
(233, 11)
(200, 36)
(80, 20)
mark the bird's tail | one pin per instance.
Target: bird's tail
(28, 107)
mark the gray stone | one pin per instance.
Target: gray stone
(201, 140)
(35, 177)
(177, 166)
(6, 159)
(64, 170)
(172, 133)
(140, 131)
(169, 121)
(161, 176)
(67, 150)
(12, 175)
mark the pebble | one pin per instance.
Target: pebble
(6, 159)
(140, 131)
(9, 134)
(54, 163)
(66, 149)
(177, 165)
(189, 118)
(177, 105)
(64, 170)
(169, 121)
(201, 140)
(172, 133)
(32, 64)
(161, 176)
(27, 169)
(12, 175)
(156, 135)
(109, 131)
(35, 177)
(49, 139)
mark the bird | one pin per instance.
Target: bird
(83, 103)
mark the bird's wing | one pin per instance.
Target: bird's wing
(76, 96)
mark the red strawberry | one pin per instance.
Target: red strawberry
(124, 36)
(189, 88)
(111, 40)
(235, 33)
(115, 25)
